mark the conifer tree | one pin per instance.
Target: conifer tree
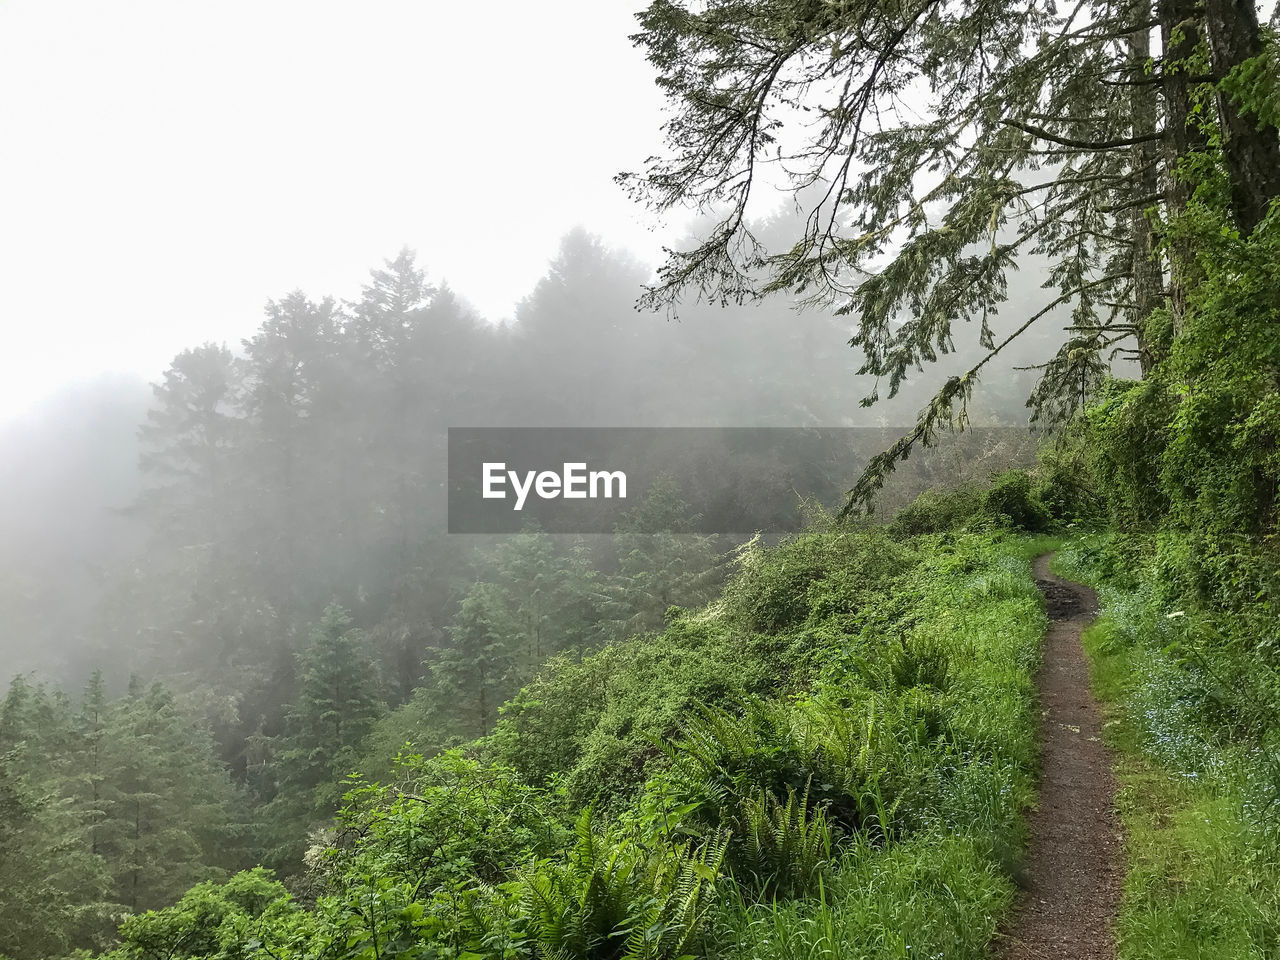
(578, 330)
(167, 804)
(94, 729)
(191, 580)
(293, 376)
(54, 892)
(545, 593)
(190, 433)
(386, 323)
(660, 563)
(942, 143)
(384, 319)
(477, 667)
(338, 701)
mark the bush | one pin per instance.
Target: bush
(936, 511)
(448, 819)
(1128, 432)
(595, 721)
(1066, 484)
(208, 921)
(775, 591)
(1012, 499)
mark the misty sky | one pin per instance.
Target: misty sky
(168, 166)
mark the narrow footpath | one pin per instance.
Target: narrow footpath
(1074, 869)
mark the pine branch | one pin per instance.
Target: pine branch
(1091, 146)
(1156, 79)
(1129, 205)
(882, 464)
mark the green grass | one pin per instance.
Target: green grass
(928, 897)
(943, 890)
(1203, 850)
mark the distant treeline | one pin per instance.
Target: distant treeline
(268, 600)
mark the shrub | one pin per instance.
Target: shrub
(771, 592)
(936, 511)
(1127, 431)
(1012, 499)
(207, 921)
(449, 819)
(1066, 484)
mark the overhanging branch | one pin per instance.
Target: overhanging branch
(1044, 134)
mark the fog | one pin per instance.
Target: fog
(214, 204)
(168, 167)
(192, 529)
(258, 260)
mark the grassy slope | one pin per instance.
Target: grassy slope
(894, 687)
(942, 891)
(1204, 858)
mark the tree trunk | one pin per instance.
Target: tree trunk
(1180, 31)
(1252, 155)
(1148, 276)
(137, 842)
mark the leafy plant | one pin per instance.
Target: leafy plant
(613, 899)
(783, 849)
(920, 665)
(448, 820)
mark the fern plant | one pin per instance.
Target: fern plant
(613, 899)
(869, 761)
(920, 665)
(793, 781)
(729, 757)
(754, 775)
(782, 849)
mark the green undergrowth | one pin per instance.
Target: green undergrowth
(1199, 773)
(833, 759)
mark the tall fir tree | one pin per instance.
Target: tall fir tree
(660, 563)
(168, 812)
(951, 141)
(477, 668)
(338, 700)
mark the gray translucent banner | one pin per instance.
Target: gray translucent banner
(592, 480)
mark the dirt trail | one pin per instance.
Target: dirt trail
(1071, 883)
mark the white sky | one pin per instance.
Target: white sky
(168, 165)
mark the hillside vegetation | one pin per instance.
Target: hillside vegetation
(835, 755)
